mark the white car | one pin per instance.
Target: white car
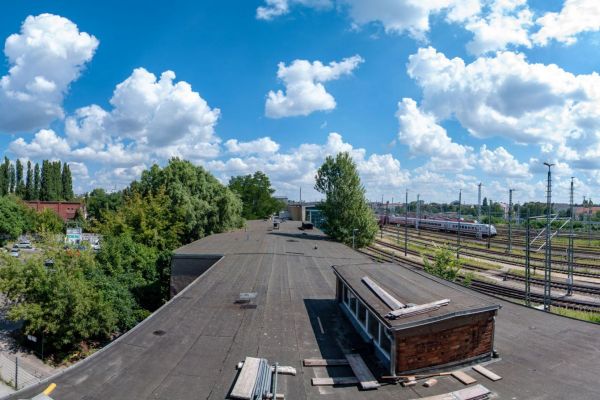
(14, 252)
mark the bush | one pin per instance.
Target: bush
(445, 265)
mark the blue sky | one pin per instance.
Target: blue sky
(431, 96)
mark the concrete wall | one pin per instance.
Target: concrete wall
(187, 267)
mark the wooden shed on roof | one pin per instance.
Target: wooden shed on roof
(418, 337)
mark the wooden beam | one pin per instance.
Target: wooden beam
(362, 372)
(387, 298)
(415, 310)
(487, 373)
(244, 385)
(343, 380)
(324, 362)
(464, 377)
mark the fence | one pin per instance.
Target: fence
(17, 375)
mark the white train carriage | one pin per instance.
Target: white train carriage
(467, 228)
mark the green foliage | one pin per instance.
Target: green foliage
(98, 202)
(29, 189)
(67, 183)
(15, 218)
(256, 194)
(445, 265)
(47, 221)
(345, 207)
(69, 302)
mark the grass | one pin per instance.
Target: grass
(583, 315)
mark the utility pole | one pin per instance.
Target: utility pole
(548, 258)
(570, 248)
(489, 238)
(527, 264)
(458, 230)
(406, 225)
(510, 192)
(479, 202)
(300, 194)
(418, 212)
(589, 221)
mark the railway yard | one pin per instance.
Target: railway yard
(488, 266)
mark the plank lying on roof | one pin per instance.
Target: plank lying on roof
(464, 377)
(387, 298)
(362, 372)
(477, 392)
(340, 380)
(420, 309)
(327, 362)
(244, 385)
(487, 373)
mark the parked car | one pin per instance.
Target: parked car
(24, 245)
(14, 252)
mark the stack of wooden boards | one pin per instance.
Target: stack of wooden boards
(257, 380)
(399, 309)
(362, 374)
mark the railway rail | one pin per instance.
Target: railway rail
(500, 255)
(498, 290)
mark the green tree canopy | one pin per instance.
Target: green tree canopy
(15, 218)
(345, 207)
(256, 194)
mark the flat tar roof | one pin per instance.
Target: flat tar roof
(206, 334)
(408, 287)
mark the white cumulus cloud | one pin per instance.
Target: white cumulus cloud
(575, 17)
(275, 8)
(304, 89)
(500, 162)
(257, 146)
(46, 56)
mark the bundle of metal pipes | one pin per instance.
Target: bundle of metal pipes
(266, 381)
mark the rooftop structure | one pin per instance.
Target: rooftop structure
(189, 348)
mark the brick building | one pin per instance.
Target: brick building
(460, 332)
(65, 209)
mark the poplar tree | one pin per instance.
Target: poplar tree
(20, 184)
(346, 211)
(36, 182)
(67, 183)
(4, 178)
(12, 178)
(29, 182)
(45, 181)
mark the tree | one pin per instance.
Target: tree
(29, 182)
(345, 207)
(256, 194)
(12, 176)
(67, 183)
(445, 265)
(36, 182)
(5, 177)
(45, 182)
(15, 218)
(20, 184)
(47, 221)
(99, 202)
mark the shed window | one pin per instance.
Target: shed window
(362, 313)
(352, 302)
(345, 293)
(373, 327)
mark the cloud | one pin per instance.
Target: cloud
(277, 8)
(297, 167)
(304, 90)
(507, 23)
(257, 146)
(506, 96)
(423, 136)
(500, 162)
(575, 17)
(46, 56)
(45, 144)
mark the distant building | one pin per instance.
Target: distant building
(585, 210)
(65, 209)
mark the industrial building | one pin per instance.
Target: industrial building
(67, 210)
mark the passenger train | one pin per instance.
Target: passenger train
(467, 228)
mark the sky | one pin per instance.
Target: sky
(429, 96)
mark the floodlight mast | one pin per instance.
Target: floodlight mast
(548, 258)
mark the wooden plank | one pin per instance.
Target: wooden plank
(244, 385)
(343, 380)
(477, 392)
(362, 372)
(487, 373)
(387, 298)
(421, 308)
(327, 362)
(464, 377)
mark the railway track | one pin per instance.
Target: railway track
(500, 256)
(587, 289)
(490, 288)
